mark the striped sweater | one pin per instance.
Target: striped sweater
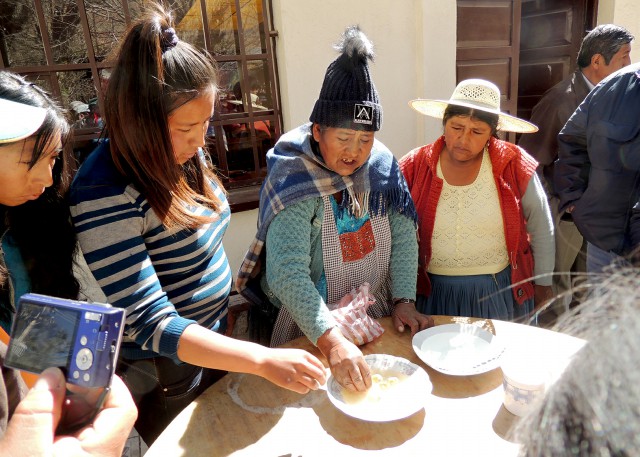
(165, 279)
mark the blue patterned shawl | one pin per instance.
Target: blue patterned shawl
(295, 173)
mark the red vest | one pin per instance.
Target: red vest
(512, 170)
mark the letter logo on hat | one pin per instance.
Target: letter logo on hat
(363, 114)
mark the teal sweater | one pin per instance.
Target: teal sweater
(294, 264)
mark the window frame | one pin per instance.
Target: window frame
(243, 192)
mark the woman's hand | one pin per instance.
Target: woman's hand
(293, 369)
(405, 314)
(31, 429)
(345, 360)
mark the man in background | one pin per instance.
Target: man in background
(597, 174)
(604, 50)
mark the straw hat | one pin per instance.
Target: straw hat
(477, 94)
(18, 121)
(254, 103)
(79, 107)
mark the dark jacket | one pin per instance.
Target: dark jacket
(598, 168)
(550, 114)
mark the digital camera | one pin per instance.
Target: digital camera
(81, 338)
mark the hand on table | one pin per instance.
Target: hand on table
(30, 431)
(293, 369)
(405, 314)
(345, 360)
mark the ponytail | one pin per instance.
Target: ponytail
(154, 74)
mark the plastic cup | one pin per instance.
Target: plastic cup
(524, 384)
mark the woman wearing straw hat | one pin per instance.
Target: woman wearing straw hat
(471, 262)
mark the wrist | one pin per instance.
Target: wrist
(329, 340)
(397, 301)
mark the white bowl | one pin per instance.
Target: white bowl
(402, 400)
(458, 349)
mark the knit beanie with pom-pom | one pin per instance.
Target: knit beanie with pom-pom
(348, 98)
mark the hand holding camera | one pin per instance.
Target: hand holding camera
(30, 430)
(82, 339)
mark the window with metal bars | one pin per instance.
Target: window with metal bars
(64, 45)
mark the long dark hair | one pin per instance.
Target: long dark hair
(154, 74)
(42, 228)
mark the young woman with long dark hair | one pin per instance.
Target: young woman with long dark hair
(38, 240)
(38, 255)
(150, 214)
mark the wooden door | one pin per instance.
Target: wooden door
(523, 46)
(488, 45)
(550, 37)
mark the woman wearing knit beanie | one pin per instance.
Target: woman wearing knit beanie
(335, 213)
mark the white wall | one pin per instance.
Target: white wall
(625, 13)
(415, 49)
(239, 236)
(415, 57)
(436, 63)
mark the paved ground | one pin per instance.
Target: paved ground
(135, 447)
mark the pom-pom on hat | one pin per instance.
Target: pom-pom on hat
(348, 98)
(476, 94)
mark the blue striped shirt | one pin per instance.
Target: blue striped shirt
(165, 279)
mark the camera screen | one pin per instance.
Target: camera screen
(42, 337)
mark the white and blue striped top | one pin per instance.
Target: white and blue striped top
(165, 279)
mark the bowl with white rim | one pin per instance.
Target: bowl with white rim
(399, 389)
(459, 349)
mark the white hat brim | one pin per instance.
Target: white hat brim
(506, 122)
(18, 120)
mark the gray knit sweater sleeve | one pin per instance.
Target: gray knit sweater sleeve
(540, 228)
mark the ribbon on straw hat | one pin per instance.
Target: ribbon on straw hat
(477, 94)
(18, 120)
